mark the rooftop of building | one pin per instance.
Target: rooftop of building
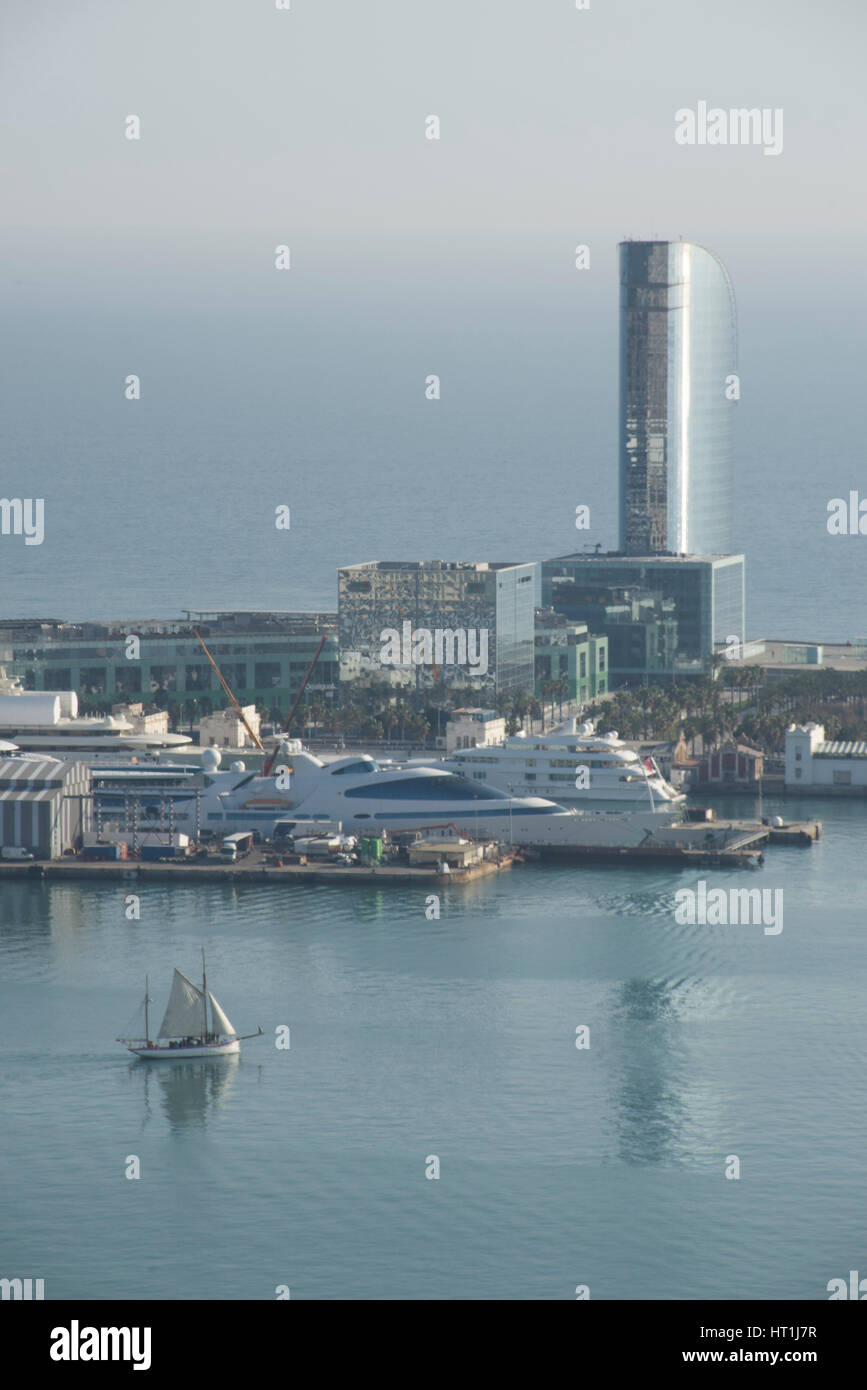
(299, 621)
(550, 618)
(474, 565)
(19, 772)
(791, 655)
(840, 748)
(659, 558)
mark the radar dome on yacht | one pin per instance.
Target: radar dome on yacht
(239, 766)
(612, 736)
(585, 729)
(211, 759)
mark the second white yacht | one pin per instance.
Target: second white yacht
(573, 766)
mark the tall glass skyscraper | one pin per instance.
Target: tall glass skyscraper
(678, 347)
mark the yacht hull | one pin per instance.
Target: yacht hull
(180, 1054)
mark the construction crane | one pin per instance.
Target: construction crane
(287, 724)
(234, 703)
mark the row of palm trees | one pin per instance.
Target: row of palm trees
(740, 699)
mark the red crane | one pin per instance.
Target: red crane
(269, 762)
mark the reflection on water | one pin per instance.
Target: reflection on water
(651, 1115)
(187, 1090)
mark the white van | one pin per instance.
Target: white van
(15, 852)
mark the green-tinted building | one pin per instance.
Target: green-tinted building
(263, 658)
(567, 651)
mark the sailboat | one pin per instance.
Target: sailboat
(186, 1031)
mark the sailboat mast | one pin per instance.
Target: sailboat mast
(147, 1024)
(204, 993)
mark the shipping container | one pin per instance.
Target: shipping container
(104, 852)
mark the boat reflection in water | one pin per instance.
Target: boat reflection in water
(189, 1092)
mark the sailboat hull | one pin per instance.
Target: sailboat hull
(163, 1053)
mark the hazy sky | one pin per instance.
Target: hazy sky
(310, 122)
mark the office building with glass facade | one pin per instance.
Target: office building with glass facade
(707, 591)
(678, 358)
(437, 622)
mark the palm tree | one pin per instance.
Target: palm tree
(561, 687)
(521, 705)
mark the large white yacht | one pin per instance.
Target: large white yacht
(48, 721)
(359, 792)
(572, 765)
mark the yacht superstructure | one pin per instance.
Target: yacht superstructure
(574, 766)
(49, 721)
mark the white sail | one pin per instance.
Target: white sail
(219, 1023)
(185, 1012)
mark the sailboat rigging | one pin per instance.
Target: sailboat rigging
(185, 1031)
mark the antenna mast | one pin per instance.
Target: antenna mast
(204, 993)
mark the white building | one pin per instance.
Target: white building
(225, 730)
(156, 722)
(474, 728)
(815, 765)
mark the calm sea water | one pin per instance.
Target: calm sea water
(453, 1037)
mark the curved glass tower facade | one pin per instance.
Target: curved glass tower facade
(678, 345)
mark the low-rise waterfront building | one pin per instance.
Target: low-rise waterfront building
(736, 767)
(142, 721)
(474, 728)
(225, 730)
(45, 805)
(263, 657)
(818, 766)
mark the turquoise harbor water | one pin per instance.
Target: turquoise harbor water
(455, 1037)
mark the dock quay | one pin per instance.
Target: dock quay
(129, 870)
(796, 832)
(732, 844)
(744, 852)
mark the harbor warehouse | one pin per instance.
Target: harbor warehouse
(44, 805)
